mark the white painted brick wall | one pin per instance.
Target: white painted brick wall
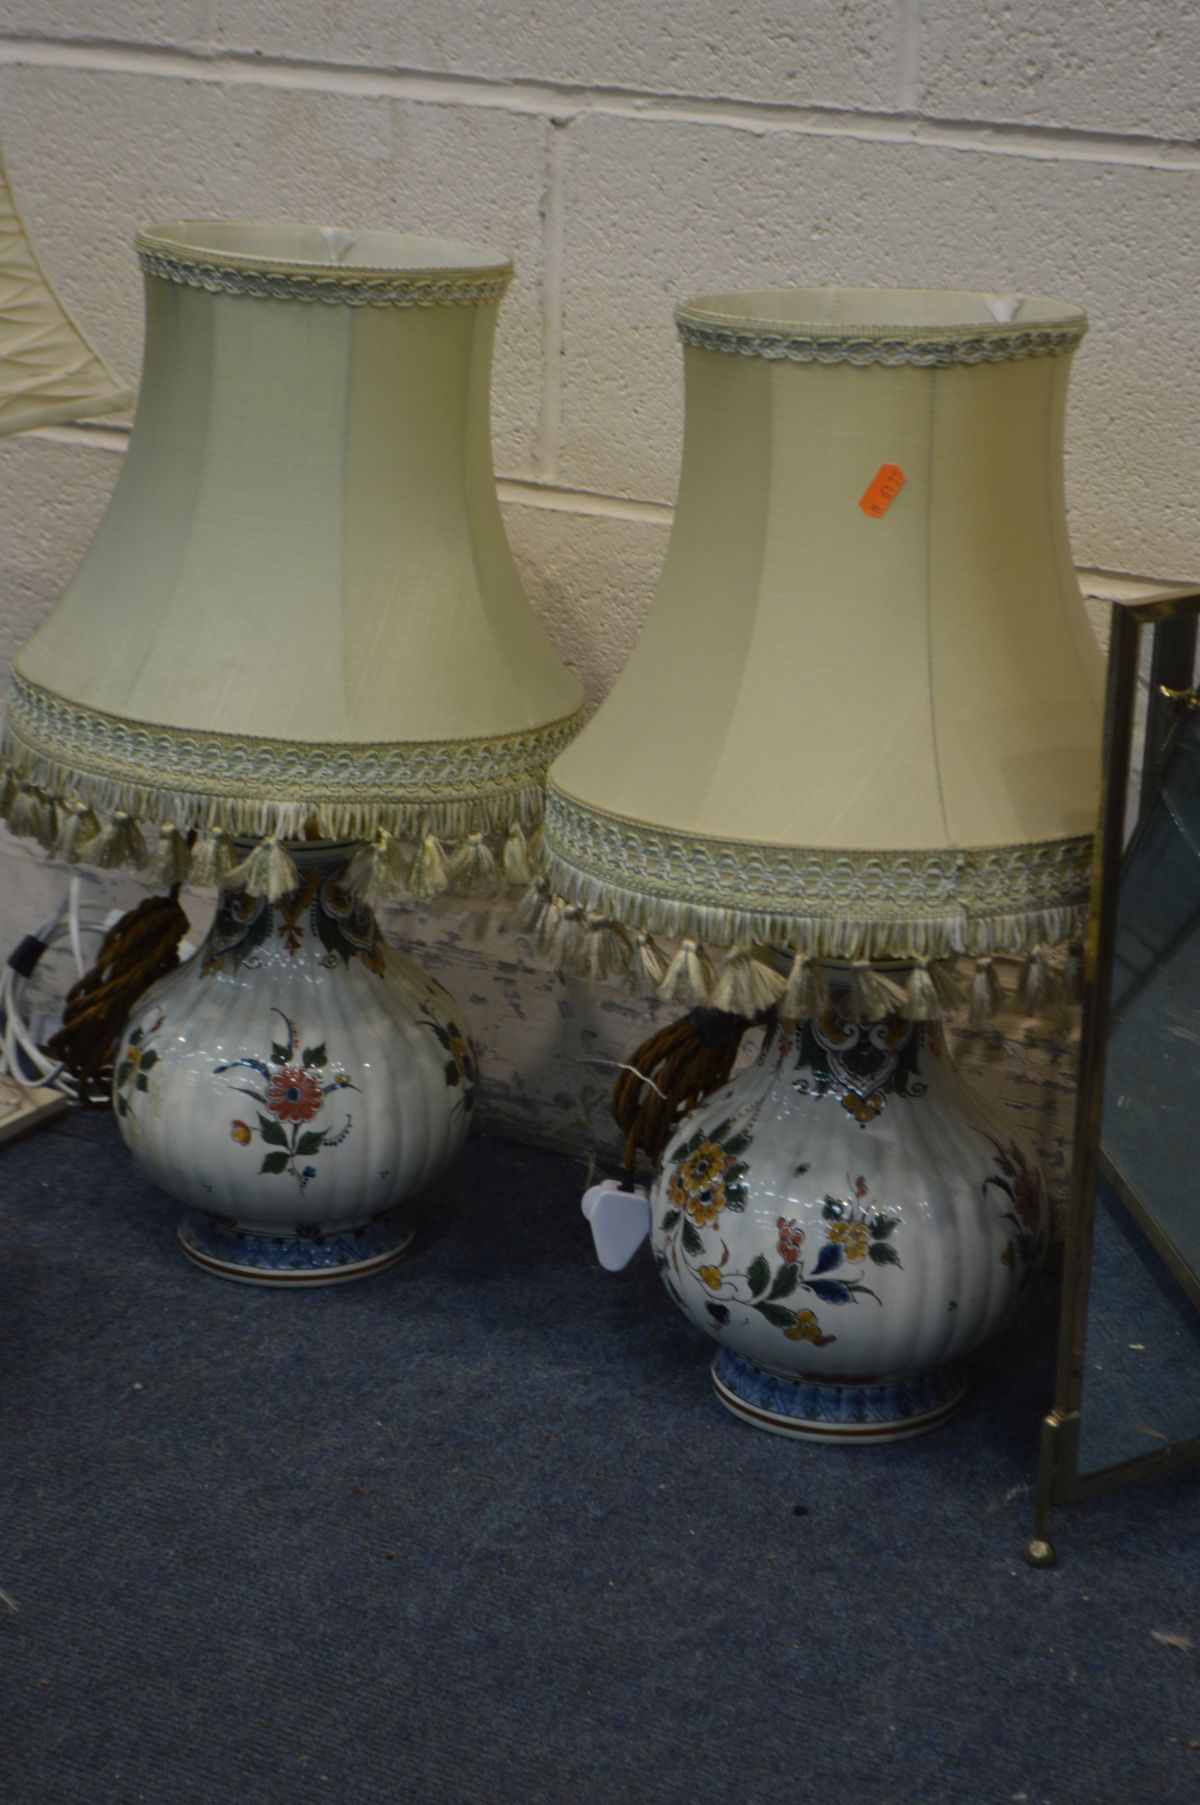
(626, 153)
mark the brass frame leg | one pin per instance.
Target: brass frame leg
(1058, 1456)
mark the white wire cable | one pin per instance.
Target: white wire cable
(21, 1059)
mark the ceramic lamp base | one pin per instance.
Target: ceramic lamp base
(296, 1260)
(849, 1222)
(888, 1411)
(295, 1084)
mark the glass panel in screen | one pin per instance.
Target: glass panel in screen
(1142, 1387)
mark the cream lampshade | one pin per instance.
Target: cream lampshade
(858, 738)
(297, 659)
(48, 371)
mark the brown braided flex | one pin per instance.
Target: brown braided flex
(670, 1073)
(137, 950)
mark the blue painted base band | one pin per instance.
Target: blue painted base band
(296, 1259)
(866, 1413)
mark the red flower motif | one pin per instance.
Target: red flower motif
(791, 1239)
(293, 1094)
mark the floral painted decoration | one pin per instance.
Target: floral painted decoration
(460, 1067)
(1021, 1186)
(293, 1093)
(134, 1067)
(708, 1177)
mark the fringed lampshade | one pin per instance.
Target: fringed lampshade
(300, 614)
(862, 721)
(48, 371)
(857, 741)
(297, 660)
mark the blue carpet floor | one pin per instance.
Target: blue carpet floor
(475, 1532)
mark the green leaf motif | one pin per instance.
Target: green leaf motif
(735, 1198)
(315, 1056)
(692, 1242)
(776, 1315)
(122, 1106)
(123, 1071)
(310, 1140)
(274, 1162)
(271, 1132)
(149, 1058)
(883, 1255)
(882, 1227)
(832, 1210)
(330, 935)
(786, 1280)
(141, 1082)
(758, 1275)
(279, 1053)
(670, 1218)
(135, 1039)
(738, 1143)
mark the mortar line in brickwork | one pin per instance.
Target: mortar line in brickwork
(553, 210)
(994, 137)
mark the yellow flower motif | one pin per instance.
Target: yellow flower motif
(697, 1183)
(702, 1166)
(854, 1238)
(133, 1056)
(241, 1134)
(864, 1109)
(711, 1276)
(805, 1327)
(708, 1206)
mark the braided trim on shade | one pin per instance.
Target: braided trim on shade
(927, 352)
(98, 790)
(357, 288)
(835, 905)
(198, 778)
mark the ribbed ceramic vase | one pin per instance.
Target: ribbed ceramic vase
(849, 1220)
(294, 1083)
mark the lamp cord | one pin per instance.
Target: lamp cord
(671, 1072)
(137, 950)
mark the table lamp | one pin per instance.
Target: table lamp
(297, 661)
(856, 744)
(48, 371)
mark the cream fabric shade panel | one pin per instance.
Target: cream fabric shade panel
(300, 613)
(48, 371)
(305, 542)
(819, 691)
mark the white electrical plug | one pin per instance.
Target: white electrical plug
(620, 1222)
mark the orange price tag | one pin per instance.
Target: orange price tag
(882, 490)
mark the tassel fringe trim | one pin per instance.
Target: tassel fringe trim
(472, 849)
(747, 979)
